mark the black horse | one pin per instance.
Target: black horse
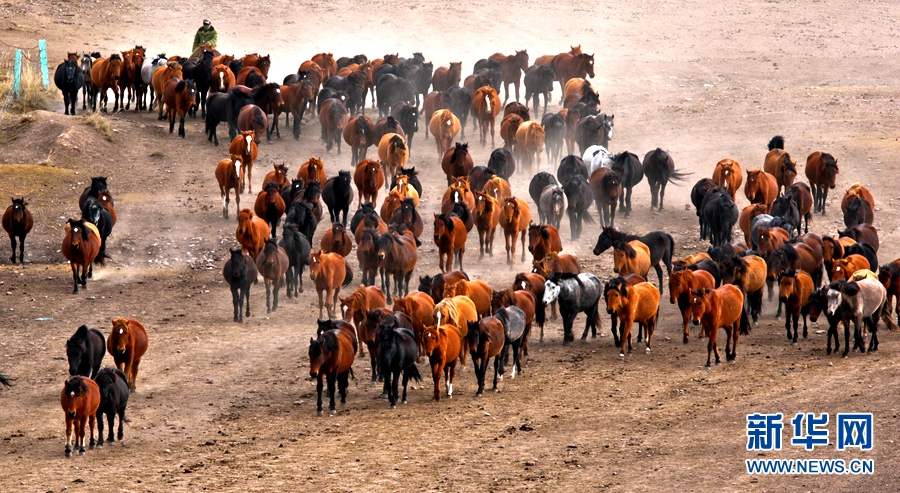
(459, 101)
(538, 80)
(397, 353)
(555, 131)
(701, 188)
(720, 214)
(661, 246)
(347, 60)
(114, 395)
(297, 248)
(69, 79)
(201, 73)
(337, 195)
(85, 350)
(593, 130)
(502, 162)
(240, 272)
(96, 213)
(221, 107)
(858, 211)
(364, 210)
(579, 197)
(538, 183)
(329, 93)
(570, 167)
(352, 86)
(301, 213)
(421, 77)
(786, 209)
(660, 170)
(408, 117)
(864, 249)
(390, 90)
(630, 171)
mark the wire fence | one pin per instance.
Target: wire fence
(16, 61)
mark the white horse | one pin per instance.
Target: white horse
(150, 65)
(597, 156)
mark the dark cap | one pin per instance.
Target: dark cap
(206, 22)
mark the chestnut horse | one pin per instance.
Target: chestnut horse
(393, 153)
(405, 189)
(228, 174)
(312, 170)
(244, 146)
(179, 95)
(80, 399)
(728, 176)
(555, 262)
(515, 216)
(568, 66)
(718, 308)
(222, 79)
(359, 303)
(857, 191)
(278, 175)
(444, 126)
(843, 268)
(17, 222)
(512, 66)
(450, 237)
(331, 358)
(631, 258)
(780, 165)
(681, 284)
(251, 232)
(446, 77)
(486, 339)
(530, 142)
(794, 288)
(336, 240)
(821, 170)
(81, 246)
(369, 178)
(262, 63)
(486, 106)
(498, 188)
(543, 239)
(327, 62)
(508, 128)
(443, 346)
(333, 117)
(746, 218)
(359, 134)
(487, 217)
(105, 74)
(269, 205)
(420, 308)
(329, 271)
(458, 311)
(633, 303)
(761, 188)
(127, 344)
(477, 291)
(398, 255)
(161, 76)
(367, 252)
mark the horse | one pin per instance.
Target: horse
(632, 303)
(200, 70)
(818, 305)
(486, 107)
(398, 255)
(105, 73)
(222, 107)
(434, 285)
(312, 170)
(801, 195)
(578, 197)
(794, 288)
(278, 175)
(786, 209)
(780, 165)
(391, 203)
(80, 399)
(331, 358)
(250, 77)
(509, 126)
(821, 171)
(252, 117)
(575, 293)
(555, 131)
(632, 257)
(94, 212)
(606, 188)
(718, 308)
(728, 176)
(297, 248)
(515, 216)
(530, 142)
(69, 79)
(858, 211)
(87, 90)
(843, 268)
(272, 263)
(407, 218)
(477, 291)
(369, 179)
(761, 188)
(419, 306)
(568, 66)
(228, 175)
(450, 238)
(511, 67)
(113, 387)
(338, 195)
(444, 126)
(405, 190)
(336, 240)
(747, 215)
(222, 79)
(538, 81)
(859, 301)
(631, 173)
(178, 96)
(445, 77)
(551, 205)
(750, 274)
(240, 273)
(660, 170)
(487, 217)
(798, 256)
(538, 183)
(543, 239)
(17, 222)
(252, 232)
(719, 214)
(408, 117)
(127, 344)
(442, 345)
(391, 90)
(359, 135)
(681, 284)
(486, 339)
(456, 163)
(857, 191)
(397, 354)
(358, 304)
(660, 245)
(159, 78)
(591, 130)
(81, 246)
(555, 262)
(84, 351)
(329, 271)
(862, 233)
(393, 153)
(333, 116)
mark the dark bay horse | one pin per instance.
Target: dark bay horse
(821, 170)
(272, 263)
(80, 398)
(240, 273)
(69, 79)
(660, 170)
(331, 358)
(80, 247)
(17, 222)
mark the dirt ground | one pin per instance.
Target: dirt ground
(228, 407)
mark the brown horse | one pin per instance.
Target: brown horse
(486, 107)
(633, 303)
(432, 102)
(458, 191)
(761, 188)
(359, 134)
(821, 170)
(606, 187)
(543, 239)
(81, 246)
(631, 258)
(252, 232)
(331, 358)
(443, 346)
(511, 66)
(127, 79)
(127, 344)
(718, 308)
(263, 63)
(555, 262)
(771, 239)
(833, 249)
(522, 298)
(446, 77)
(857, 191)
(269, 205)
(681, 284)
(272, 263)
(333, 117)
(392, 203)
(312, 170)
(889, 276)
(367, 252)
(253, 118)
(160, 77)
(296, 98)
(336, 240)
(530, 142)
(747, 215)
(228, 174)
(178, 96)
(784, 169)
(802, 196)
(487, 217)
(456, 162)
(794, 288)
(728, 176)
(419, 307)
(329, 271)
(17, 222)
(80, 399)
(444, 126)
(486, 339)
(498, 188)
(547, 60)
(244, 146)
(568, 66)
(250, 77)
(458, 311)
(369, 178)
(450, 237)
(477, 291)
(314, 73)
(278, 175)
(398, 255)
(327, 62)
(222, 79)
(508, 128)
(359, 303)
(515, 216)
(105, 74)
(393, 152)
(750, 274)
(844, 268)
(406, 190)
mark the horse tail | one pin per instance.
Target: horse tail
(258, 118)
(412, 372)
(677, 176)
(777, 142)
(667, 255)
(4, 380)
(101, 259)
(348, 274)
(352, 375)
(745, 322)
(553, 67)
(886, 317)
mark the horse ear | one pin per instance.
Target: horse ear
(311, 340)
(544, 233)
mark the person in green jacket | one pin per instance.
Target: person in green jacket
(206, 34)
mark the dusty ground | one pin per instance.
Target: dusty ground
(227, 407)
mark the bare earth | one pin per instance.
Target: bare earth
(228, 407)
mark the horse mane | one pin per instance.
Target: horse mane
(452, 310)
(81, 333)
(396, 140)
(328, 341)
(789, 252)
(776, 142)
(628, 249)
(459, 153)
(78, 223)
(446, 220)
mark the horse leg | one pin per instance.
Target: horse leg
(395, 389)
(111, 420)
(320, 292)
(319, 386)
(181, 126)
(82, 426)
(497, 374)
(75, 277)
(436, 377)
(846, 339)
(524, 232)
(568, 321)
(69, 430)
(662, 193)
(651, 324)
(236, 302)
(343, 380)
(331, 377)
(121, 433)
(268, 296)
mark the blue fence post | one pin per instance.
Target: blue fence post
(17, 73)
(45, 77)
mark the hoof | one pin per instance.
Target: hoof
(648, 351)
(404, 401)
(81, 452)
(68, 453)
(393, 406)
(319, 412)
(331, 412)
(621, 356)
(685, 340)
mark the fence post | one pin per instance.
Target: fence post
(42, 45)
(17, 72)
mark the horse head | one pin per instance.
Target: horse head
(18, 209)
(121, 334)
